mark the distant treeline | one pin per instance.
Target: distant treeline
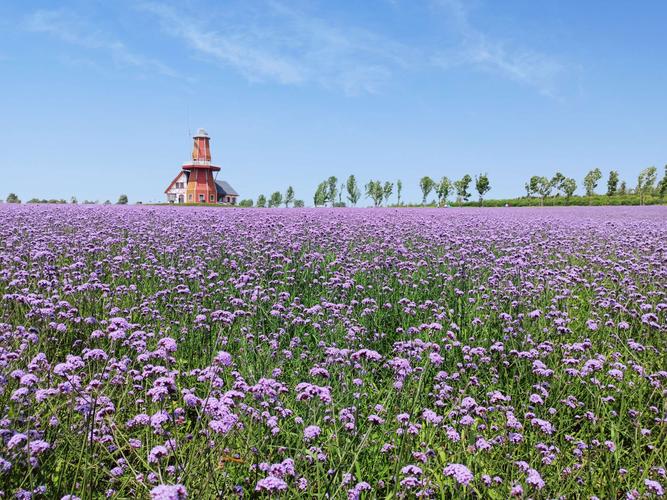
(13, 198)
(540, 190)
(554, 191)
(557, 201)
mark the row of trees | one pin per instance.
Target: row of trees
(542, 186)
(377, 191)
(275, 200)
(461, 187)
(12, 198)
(329, 192)
(560, 185)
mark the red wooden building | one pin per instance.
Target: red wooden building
(197, 182)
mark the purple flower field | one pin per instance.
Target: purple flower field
(170, 353)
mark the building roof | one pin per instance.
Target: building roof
(201, 133)
(223, 187)
(176, 178)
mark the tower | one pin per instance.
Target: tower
(201, 186)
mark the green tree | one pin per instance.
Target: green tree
(353, 193)
(107, 202)
(73, 200)
(12, 198)
(645, 182)
(387, 190)
(298, 204)
(276, 199)
(462, 186)
(399, 190)
(569, 187)
(532, 186)
(289, 196)
(375, 192)
(426, 184)
(591, 182)
(320, 197)
(442, 190)
(482, 185)
(612, 183)
(122, 199)
(623, 189)
(544, 187)
(332, 183)
(261, 201)
(247, 203)
(557, 182)
(662, 187)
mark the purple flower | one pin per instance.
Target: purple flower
(38, 446)
(355, 493)
(311, 432)
(168, 344)
(544, 425)
(654, 487)
(5, 465)
(516, 490)
(453, 435)
(534, 479)
(431, 417)
(459, 472)
(271, 484)
(306, 391)
(95, 354)
(224, 424)
(16, 440)
(412, 470)
(223, 358)
(169, 492)
(157, 453)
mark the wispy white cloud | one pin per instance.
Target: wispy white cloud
(281, 44)
(236, 49)
(272, 41)
(73, 29)
(477, 49)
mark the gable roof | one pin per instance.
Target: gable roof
(176, 178)
(223, 188)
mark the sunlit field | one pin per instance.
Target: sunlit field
(345, 353)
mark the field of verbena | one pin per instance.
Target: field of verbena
(165, 352)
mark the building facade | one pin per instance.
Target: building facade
(197, 181)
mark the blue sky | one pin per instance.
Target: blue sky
(96, 98)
